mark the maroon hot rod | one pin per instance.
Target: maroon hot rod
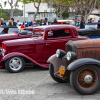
(36, 50)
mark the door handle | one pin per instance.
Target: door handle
(47, 44)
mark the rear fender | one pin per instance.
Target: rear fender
(84, 61)
(22, 55)
(57, 62)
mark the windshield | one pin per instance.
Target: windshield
(8, 30)
(1, 29)
(13, 30)
(39, 32)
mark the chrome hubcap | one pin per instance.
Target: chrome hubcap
(15, 63)
(88, 79)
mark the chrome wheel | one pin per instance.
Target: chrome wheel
(15, 63)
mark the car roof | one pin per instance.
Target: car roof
(54, 27)
(93, 23)
(9, 27)
(64, 20)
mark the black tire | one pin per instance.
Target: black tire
(10, 69)
(77, 79)
(51, 71)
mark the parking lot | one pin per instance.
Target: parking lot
(38, 80)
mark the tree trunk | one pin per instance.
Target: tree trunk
(60, 11)
(37, 8)
(11, 16)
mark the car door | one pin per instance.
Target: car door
(55, 42)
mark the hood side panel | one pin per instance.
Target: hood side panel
(25, 46)
(89, 43)
(89, 53)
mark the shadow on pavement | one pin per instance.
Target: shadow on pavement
(35, 68)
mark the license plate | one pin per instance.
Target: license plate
(62, 70)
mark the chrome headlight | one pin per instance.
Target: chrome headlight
(71, 55)
(3, 52)
(68, 56)
(60, 53)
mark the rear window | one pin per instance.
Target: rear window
(58, 33)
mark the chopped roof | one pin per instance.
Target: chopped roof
(54, 27)
(9, 27)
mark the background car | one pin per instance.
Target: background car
(80, 63)
(91, 30)
(69, 22)
(36, 50)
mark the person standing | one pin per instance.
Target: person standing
(91, 21)
(18, 23)
(99, 20)
(54, 21)
(74, 22)
(46, 21)
(82, 24)
(14, 23)
(2, 22)
(23, 25)
(41, 22)
(10, 23)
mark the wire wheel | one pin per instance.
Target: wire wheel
(87, 78)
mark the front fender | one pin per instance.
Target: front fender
(23, 55)
(77, 63)
(57, 62)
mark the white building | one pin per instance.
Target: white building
(44, 11)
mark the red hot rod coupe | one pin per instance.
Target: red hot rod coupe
(36, 50)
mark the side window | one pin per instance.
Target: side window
(58, 33)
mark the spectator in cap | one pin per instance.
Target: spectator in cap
(91, 21)
(46, 21)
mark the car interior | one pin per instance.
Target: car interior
(5, 31)
(58, 33)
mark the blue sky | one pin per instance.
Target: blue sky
(8, 6)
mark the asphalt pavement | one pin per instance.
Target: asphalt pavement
(36, 84)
